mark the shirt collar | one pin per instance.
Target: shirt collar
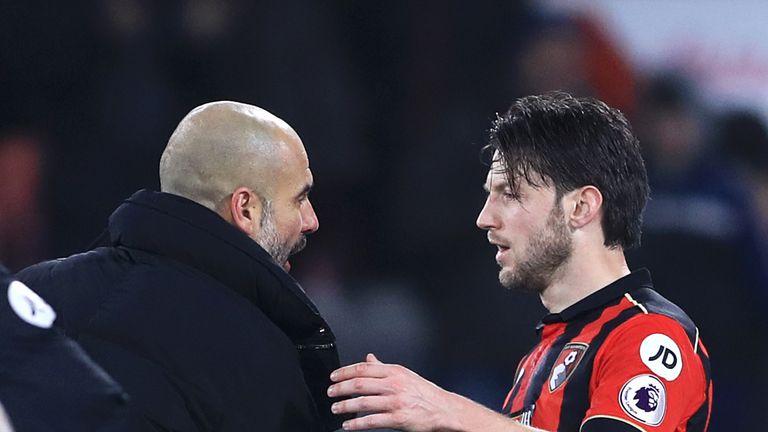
(633, 281)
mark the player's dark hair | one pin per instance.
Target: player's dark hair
(566, 142)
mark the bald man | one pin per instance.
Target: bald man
(191, 307)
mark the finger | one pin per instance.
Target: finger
(357, 386)
(371, 358)
(371, 421)
(362, 404)
(370, 370)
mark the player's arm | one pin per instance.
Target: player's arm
(393, 396)
(646, 376)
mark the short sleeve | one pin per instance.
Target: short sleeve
(646, 375)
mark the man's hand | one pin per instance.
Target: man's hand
(394, 396)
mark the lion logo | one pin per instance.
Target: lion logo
(647, 398)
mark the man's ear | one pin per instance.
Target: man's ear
(584, 205)
(245, 210)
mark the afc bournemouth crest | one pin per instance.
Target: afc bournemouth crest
(566, 363)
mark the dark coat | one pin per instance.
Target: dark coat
(196, 321)
(47, 383)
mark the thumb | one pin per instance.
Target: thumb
(370, 358)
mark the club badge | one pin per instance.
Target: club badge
(566, 363)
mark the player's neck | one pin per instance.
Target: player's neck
(587, 271)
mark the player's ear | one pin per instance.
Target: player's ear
(583, 205)
(244, 211)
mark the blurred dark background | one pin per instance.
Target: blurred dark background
(393, 101)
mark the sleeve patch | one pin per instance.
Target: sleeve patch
(644, 398)
(29, 306)
(662, 356)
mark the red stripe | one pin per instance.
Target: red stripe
(709, 408)
(703, 348)
(709, 389)
(506, 401)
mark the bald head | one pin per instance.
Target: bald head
(221, 146)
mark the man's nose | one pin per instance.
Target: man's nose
(310, 222)
(486, 220)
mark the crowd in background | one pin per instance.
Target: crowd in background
(393, 101)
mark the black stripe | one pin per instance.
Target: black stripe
(603, 424)
(576, 391)
(543, 367)
(698, 421)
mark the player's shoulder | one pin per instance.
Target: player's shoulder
(659, 313)
(660, 333)
(653, 331)
(661, 337)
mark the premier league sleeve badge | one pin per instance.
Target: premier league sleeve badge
(644, 398)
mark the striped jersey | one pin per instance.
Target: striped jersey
(623, 358)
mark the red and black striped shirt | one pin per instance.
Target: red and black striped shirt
(623, 358)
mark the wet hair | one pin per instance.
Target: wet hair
(566, 142)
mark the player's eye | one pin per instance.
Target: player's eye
(509, 195)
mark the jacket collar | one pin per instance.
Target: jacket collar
(602, 297)
(172, 226)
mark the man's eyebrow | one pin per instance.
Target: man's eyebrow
(499, 185)
(306, 190)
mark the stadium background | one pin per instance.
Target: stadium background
(393, 100)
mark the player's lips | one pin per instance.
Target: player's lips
(502, 252)
(501, 246)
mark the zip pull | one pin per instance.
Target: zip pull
(316, 346)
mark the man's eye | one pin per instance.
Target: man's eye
(508, 195)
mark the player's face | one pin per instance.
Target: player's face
(291, 217)
(528, 229)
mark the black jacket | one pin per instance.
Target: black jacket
(47, 383)
(196, 321)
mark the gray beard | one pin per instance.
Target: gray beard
(548, 250)
(269, 239)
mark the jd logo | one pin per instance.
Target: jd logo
(667, 356)
(566, 363)
(662, 356)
